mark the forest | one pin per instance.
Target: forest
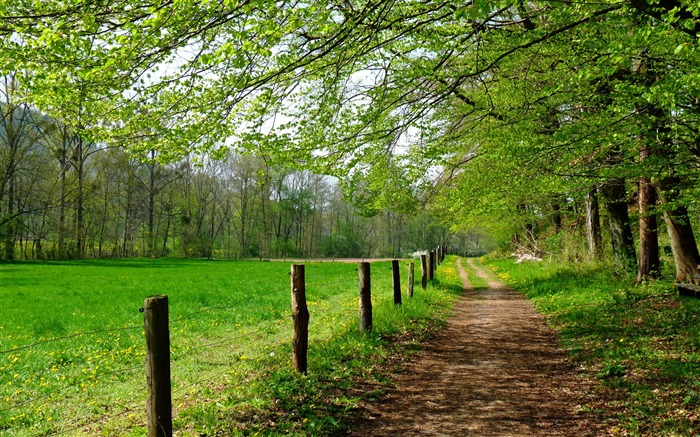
(63, 199)
(214, 128)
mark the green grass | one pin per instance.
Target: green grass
(641, 343)
(72, 347)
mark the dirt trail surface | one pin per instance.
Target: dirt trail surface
(495, 370)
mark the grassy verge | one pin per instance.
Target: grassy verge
(642, 343)
(72, 347)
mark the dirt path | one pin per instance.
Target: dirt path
(495, 370)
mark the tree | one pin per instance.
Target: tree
(21, 132)
(543, 92)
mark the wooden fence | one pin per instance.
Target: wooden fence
(156, 327)
(159, 403)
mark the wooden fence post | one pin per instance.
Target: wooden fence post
(410, 279)
(300, 315)
(431, 264)
(159, 409)
(396, 272)
(365, 297)
(424, 271)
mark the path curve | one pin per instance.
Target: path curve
(495, 370)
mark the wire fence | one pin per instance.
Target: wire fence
(62, 379)
(68, 337)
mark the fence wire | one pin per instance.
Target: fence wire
(70, 336)
(343, 286)
(226, 340)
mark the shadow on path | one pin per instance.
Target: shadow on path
(495, 370)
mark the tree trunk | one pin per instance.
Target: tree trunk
(103, 223)
(624, 252)
(63, 160)
(649, 262)
(151, 205)
(80, 207)
(10, 231)
(680, 232)
(127, 219)
(164, 249)
(595, 247)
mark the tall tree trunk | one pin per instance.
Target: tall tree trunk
(680, 232)
(151, 206)
(80, 202)
(164, 249)
(63, 160)
(10, 230)
(103, 223)
(614, 193)
(593, 234)
(127, 219)
(212, 232)
(653, 128)
(649, 262)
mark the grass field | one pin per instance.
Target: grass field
(641, 343)
(72, 348)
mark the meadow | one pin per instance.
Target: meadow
(72, 349)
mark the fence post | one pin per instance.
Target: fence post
(396, 272)
(159, 404)
(300, 315)
(410, 279)
(365, 297)
(431, 264)
(424, 271)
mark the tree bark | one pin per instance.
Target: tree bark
(625, 256)
(680, 232)
(10, 231)
(649, 262)
(151, 249)
(595, 247)
(63, 160)
(80, 201)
